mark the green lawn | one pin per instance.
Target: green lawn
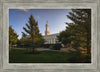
(19, 56)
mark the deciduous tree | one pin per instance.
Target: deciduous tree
(13, 37)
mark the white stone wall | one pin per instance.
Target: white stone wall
(51, 39)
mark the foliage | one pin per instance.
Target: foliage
(47, 45)
(32, 35)
(13, 37)
(55, 47)
(82, 19)
(66, 36)
(79, 31)
(26, 42)
(51, 47)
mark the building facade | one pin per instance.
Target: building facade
(50, 38)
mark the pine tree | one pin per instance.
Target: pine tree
(32, 31)
(82, 18)
(69, 35)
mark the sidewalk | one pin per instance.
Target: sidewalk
(48, 49)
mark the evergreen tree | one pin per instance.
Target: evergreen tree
(32, 31)
(82, 19)
(13, 37)
(69, 35)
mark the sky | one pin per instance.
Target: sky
(56, 19)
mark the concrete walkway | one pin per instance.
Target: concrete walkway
(20, 48)
(44, 49)
(48, 49)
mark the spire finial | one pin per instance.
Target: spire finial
(47, 21)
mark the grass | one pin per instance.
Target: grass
(19, 56)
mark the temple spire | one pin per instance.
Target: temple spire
(47, 29)
(47, 21)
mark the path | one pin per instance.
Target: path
(44, 49)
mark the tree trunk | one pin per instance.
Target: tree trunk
(10, 46)
(33, 50)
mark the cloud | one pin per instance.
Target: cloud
(38, 17)
(25, 10)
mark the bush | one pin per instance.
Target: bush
(57, 46)
(46, 45)
(51, 47)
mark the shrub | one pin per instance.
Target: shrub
(57, 46)
(51, 47)
(47, 45)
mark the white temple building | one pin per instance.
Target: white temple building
(50, 38)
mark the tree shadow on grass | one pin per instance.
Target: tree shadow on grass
(34, 53)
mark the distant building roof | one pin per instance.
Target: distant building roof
(51, 34)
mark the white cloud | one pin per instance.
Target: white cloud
(38, 17)
(25, 10)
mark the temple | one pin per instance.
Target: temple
(50, 38)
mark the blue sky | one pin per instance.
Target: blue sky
(56, 19)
